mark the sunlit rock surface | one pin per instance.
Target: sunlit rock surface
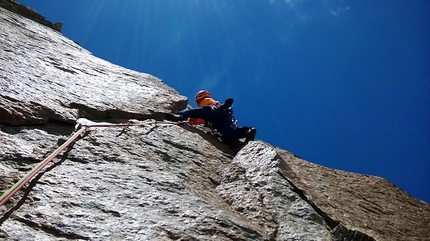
(158, 180)
(49, 77)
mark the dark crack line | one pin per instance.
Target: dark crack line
(151, 129)
(339, 231)
(213, 138)
(52, 230)
(123, 131)
(182, 147)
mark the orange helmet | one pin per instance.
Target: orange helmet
(201, 95)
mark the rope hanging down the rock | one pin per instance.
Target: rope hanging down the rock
(81, 129)
(15, 188)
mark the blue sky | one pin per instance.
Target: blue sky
(341, 83)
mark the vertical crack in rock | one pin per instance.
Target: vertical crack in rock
(339, 231)
(252, 187)
(365, 203)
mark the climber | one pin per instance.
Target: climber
(217, 116)
(203, 98)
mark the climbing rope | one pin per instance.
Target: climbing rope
(81, 129)
(15, 188)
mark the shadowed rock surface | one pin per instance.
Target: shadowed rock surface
(158, 180)
(30, 13)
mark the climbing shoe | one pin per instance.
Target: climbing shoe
(174, 117)
(227, 104)
(250, 136)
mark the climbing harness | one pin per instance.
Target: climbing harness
(80, 129)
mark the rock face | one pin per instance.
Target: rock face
(157, 180)
(30, 13)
